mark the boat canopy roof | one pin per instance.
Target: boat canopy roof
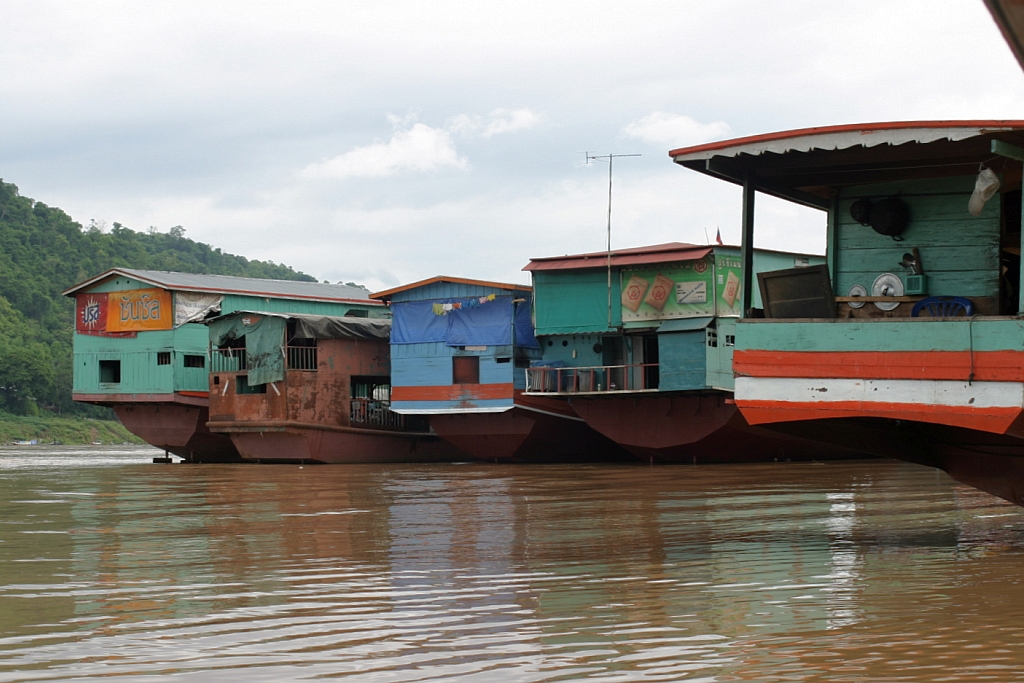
(236, 324)
(1009, 16)
(656, 253)
(803, 165)
(230, 284)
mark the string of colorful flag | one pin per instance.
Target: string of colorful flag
(444, 309)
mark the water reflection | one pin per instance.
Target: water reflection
(839, 572)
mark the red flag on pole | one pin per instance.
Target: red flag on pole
(718, 236)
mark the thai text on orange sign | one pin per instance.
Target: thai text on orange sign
(140, 309)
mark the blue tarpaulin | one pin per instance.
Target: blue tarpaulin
(524, 327)
(488, 324)
(414, 322)
(472, 324)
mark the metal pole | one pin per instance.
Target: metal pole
(611, 157)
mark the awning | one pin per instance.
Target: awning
(685, 324)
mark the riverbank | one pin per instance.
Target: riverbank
(68, 430)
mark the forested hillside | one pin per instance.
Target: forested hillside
(43, 252)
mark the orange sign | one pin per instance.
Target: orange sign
(139, 309)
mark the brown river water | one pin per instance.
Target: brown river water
(115, 568)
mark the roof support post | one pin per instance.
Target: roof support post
(832, 239)
(1020, 281)
(747, 245)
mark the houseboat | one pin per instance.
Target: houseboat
(459, 353)
(140, 346)
(287, 387)
(640, 341)
(909, 341)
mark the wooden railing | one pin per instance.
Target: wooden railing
(593, 379)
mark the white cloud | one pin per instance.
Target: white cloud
(497, 122)
(418, 148)
(675, 130)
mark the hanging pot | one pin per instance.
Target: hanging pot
(890, 217)
(860, 211)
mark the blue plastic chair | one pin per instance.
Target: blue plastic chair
(943, 307)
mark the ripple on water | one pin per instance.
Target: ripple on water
(850, 571)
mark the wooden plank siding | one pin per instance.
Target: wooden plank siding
(959, 252)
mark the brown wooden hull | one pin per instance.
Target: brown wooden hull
(537, 429)
(694, 429)
(293, 442)
(178, 429)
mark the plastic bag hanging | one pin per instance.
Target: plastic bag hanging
(985, 188)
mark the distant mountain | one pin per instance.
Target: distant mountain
(43, 252)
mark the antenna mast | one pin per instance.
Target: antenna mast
(610, 158)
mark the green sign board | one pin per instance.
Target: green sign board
(662, 291)
(684, 289)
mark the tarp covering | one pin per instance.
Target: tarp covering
(264, 342)
(473, 323)
(414, 322)
(334, 327)
(190, 307)
(573, 302)
(264, 335)
(524, 326)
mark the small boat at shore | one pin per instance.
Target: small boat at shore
(311, 388)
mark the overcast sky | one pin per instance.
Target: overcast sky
(384, 142)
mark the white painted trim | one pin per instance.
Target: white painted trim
(548, 412)
(450, 411)
(905, 391)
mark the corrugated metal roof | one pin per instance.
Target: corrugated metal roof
(657, 253)
(844, 137)
(230, 284)
(388, 293)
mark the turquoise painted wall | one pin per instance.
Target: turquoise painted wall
(140, 373)
(882, 334)
(960, 252)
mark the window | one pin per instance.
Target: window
(466, 370)
(242, 386)
(504, 359)
(730, 340)
(355, 314)
(163, 357)
(110, 372)
(195, 361)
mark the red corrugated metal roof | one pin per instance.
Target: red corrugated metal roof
(657, 253)
(823, 132)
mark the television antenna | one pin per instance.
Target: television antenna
(610, 158)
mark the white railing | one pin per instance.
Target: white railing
(593, 379)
